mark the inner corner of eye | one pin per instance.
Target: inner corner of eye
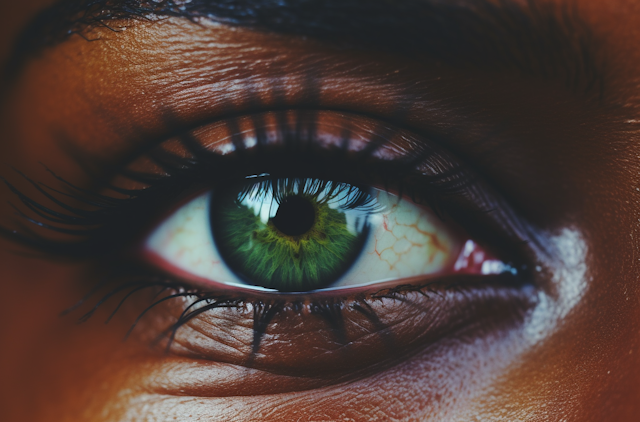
(304, 235)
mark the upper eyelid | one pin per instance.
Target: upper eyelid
(243, 132)
(141, 143)
(80, 191)
(163, 199)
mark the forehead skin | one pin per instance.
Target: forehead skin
(584, 369)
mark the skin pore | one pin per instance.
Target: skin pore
(565, 159)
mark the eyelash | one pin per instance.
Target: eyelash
(107, 213)
(329, 309)
(97, 224)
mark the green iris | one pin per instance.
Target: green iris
(290, 234)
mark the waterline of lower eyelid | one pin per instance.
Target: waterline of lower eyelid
(381, 284)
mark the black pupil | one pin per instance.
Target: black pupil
(295, 216)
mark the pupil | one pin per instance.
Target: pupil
(295, 216)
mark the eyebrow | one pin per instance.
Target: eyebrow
(535, 38)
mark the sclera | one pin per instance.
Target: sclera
(405, 240)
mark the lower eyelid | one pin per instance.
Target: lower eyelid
(328, 338)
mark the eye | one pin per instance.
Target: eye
(298, 235)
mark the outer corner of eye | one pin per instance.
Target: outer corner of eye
(302, 235)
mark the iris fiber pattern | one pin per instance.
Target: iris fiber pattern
(254, 241)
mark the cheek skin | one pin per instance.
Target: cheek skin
(53, 365)
(85, 372)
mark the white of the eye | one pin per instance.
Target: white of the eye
(405, 240)
(184, 243)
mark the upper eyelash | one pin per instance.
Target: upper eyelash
(181, 173)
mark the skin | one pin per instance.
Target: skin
(568, 164)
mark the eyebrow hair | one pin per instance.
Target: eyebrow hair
(533, 37)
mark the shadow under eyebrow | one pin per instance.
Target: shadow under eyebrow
(533, 38)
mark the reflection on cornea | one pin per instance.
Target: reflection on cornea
(570, 271)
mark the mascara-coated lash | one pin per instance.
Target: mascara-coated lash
(322, 145)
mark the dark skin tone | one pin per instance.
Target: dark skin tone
(566, 162)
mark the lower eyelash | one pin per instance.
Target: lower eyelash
(328, 308)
